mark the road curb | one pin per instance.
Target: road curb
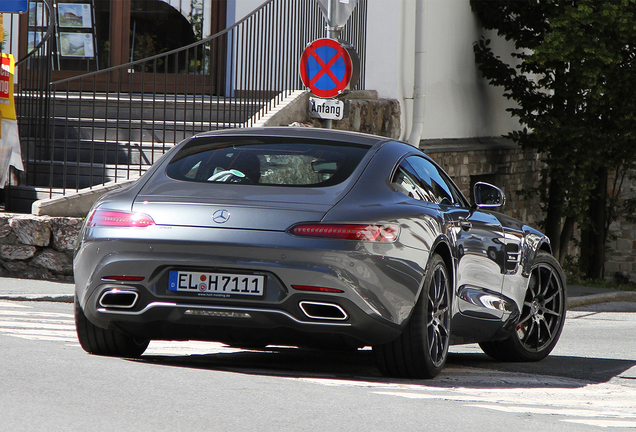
(61, 298)
(628, 296)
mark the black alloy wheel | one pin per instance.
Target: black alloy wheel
(542, 317)
(421, 350)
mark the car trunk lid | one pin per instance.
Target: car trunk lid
(236, 206)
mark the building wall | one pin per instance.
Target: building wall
(459, 103)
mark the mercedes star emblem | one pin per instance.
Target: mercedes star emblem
(221, 216)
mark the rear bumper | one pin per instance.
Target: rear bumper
(379, 288)
(285, 324)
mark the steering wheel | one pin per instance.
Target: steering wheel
(230, 176)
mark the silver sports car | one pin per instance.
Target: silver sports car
(314, 238)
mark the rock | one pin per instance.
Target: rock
(53, 260)
(21, 270)
(65, 231)
(5, 227)
(16, 252)
(31, 230)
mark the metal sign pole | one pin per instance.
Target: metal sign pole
(337, 13)
(332, 33)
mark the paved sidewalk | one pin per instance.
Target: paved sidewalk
(600, 299)
(579, 298)
(35, 290)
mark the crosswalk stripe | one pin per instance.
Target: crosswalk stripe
(21, 313)
(35, 325)
(603, 423)
(65, 336)
(12, 305)
(22, 321)
(557, 411)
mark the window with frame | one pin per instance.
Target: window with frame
(269, 161)
(433, 185)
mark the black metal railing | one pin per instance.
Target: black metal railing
(113, 124)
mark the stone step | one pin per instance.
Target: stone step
(157, 108)
(121, 130)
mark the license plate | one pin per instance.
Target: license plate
(217, 283)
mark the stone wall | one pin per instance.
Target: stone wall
(371, 116)
(621, 257)
(494, 161)
(37, 247)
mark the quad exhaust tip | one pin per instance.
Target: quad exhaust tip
(323, 311)
(118, 298)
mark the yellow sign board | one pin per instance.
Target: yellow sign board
(7, 104)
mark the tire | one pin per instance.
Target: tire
(99, 341)
(542, 317)
(421, 350)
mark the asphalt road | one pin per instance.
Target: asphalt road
(49, 383)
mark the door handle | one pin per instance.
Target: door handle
(465, 225)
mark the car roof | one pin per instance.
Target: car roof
(300, 132)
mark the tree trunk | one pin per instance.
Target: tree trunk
(566, 236)
(594, 236)
(554, 214)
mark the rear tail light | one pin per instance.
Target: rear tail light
(316, 289)
(112, 218)
(123, 278)
(361, 232)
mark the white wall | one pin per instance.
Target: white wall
(459, 103)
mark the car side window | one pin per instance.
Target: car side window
(440, 187)
(407, 182)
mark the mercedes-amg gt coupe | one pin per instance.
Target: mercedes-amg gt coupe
(314, 238)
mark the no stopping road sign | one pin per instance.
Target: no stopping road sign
(327, 67)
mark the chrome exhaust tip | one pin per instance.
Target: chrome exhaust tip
(118, 298)
(323, 311)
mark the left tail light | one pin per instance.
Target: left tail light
(115, 218)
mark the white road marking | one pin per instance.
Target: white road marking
(35, 314)
(12, 305)
(605, 405)
(605, 423)
(22, 321)
(39, 324)
(181, 348)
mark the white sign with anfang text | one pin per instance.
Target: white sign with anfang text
(326, 109)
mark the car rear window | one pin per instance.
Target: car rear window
(266, 161)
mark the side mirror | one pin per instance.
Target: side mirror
(488, 196)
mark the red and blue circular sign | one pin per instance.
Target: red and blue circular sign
(326, 68)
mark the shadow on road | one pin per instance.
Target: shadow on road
(465, 370)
